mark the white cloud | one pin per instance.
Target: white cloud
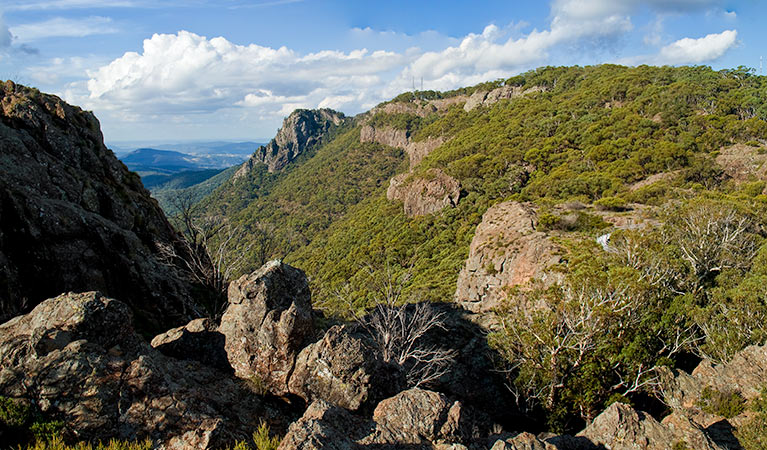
(5, 35)
(696, 51)
(62, 27)
(178, 73)
(33, 5)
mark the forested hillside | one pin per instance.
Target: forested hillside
(665, 165)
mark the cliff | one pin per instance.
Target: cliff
(74, 218)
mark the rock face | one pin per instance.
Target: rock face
(77, 358)
(505, 251)
(302, 129)
(74, 218)
(424, 195)
(620, 427)
(743, 163)
(415, 418)
(267, 322)
(393, 137)
(487, 98)
(342, 370)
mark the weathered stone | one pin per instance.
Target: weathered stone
(199, 340)
(522, 441)
(342, 369)
(415, 416)
(77, 359)
(301, 130)
(487, 98)
(743, 163)
(74, 218)
(621, 427)
(506, 251)
(416, 150)
(323, 426)
(424, 195)
(267, 322)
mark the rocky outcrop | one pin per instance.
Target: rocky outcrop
(745, 374)
(423, 195)
(267, 322)
(415, 418)
(620, 427)
(420, 108)
(342, 369)
(74, 218)
(301, 130)
(487, 98)
(743, 163)
(393, 137)
(78, 360)
(199, 340)
(506, 251)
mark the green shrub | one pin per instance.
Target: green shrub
(727, 404)
(611, 204)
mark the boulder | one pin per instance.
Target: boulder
(74, 218)
(506, 251)
(266, 323)
(423, 195)
(416, 416)
(301, 130)
(78, 360)
(343, 370)
(620, 427)
(199, 340)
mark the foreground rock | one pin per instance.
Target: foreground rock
(343, 370)
(506, 251)
(415, 418)
(77, 359)
(301, 130)
(74, 218)
(424, 195)
(267, 322)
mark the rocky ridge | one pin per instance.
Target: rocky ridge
(423, 195)
(302, 129)
(64, 197)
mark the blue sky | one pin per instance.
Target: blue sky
(232, 69)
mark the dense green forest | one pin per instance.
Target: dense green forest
(605, 138)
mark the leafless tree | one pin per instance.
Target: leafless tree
(399, 330)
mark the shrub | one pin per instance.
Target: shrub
(727, 404)
(611, 204)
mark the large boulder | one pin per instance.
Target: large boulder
(77, 359)
(506, 251)
(74, 218)
(300, 131)
(323, 426)
(267, 322)
(423, 195)
(344, 370)
(620, 427)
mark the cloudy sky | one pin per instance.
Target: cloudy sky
(177, 70)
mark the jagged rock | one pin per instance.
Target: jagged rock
(424, 195)
(77, 359)
(744, 374)
(199, 340)
(323, 426)
(343, 370)
(522, 441)
(302, 129)
(416, 150)
(506, 251)
(621, 427)
(74, 218)
(416, 416)
(267, 322)
(487, 98)
(743, 163)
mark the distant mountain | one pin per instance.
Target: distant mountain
(162, 161)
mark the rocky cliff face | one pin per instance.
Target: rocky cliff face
(424, 195)
(74, 218)
(302, 129)
(506, 251)
(416, 150)
(487, 98)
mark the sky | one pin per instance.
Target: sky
(177, 70)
